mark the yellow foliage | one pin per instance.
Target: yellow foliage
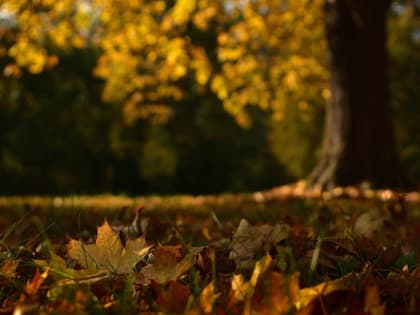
(264, 53)
(201, 64)
(182, 11)
(202, 17)
(272, 48)
(28, 55)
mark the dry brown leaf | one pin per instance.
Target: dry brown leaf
(173, 298)
(166, 266)
(371, 224)
(108, 253)
(249, 240)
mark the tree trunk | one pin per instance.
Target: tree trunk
(358, 142)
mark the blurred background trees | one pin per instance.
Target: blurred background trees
(177, 96)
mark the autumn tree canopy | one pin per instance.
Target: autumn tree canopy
(248, 53)
(155, 57)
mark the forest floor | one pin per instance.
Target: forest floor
(280, 251)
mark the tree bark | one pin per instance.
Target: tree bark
(358, 142)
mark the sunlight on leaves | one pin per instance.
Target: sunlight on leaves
(266, 292)
(307, 295)
(34, 285)
(248, 53)
(207, 298)
(108, 253)
(68, 276)
(243, 290)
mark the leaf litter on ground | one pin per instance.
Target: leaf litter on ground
(149, 265)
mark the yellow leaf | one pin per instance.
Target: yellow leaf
(207, 298)
(307, 295)
(239, 288)
(36, 282)
(108, 253)
(260, 267)
(373, 305)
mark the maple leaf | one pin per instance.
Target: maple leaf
(108, 252)
(68, 276)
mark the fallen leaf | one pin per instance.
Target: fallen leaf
(36, 282)
(239, 288)
(68, 276)
(167, 265)
(249, 240)
(108, 253)
(8, 268)
(207, 298)
(371, 224)
(307, 295)
(173, 298)
(136, 228)
(242, 290)
(261, 266)
(373, 305)
(283, 292)
(266, 292)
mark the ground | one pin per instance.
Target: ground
(282, 251)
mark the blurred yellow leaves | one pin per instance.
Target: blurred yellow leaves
(201, 64)
(28, 55)
(145, 55)
(247, 53)
(207, 11)
(62, 23)
(272, 56)
(182, 11)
